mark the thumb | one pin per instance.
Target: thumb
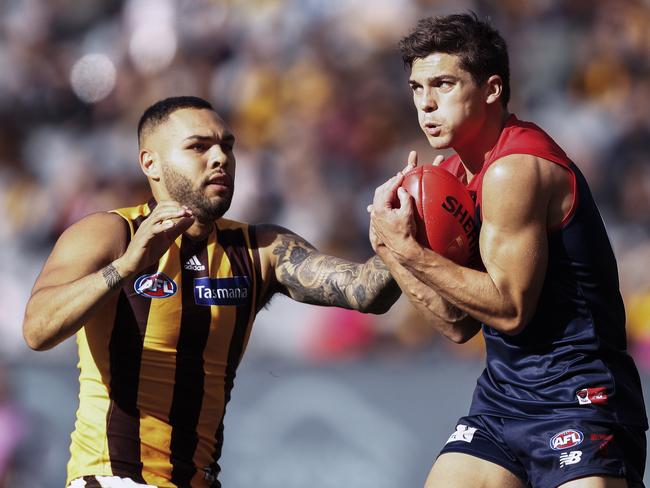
(405, 199)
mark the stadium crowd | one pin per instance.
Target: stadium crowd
(317, 96)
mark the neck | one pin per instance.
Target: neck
(200, 231)
(474, 154)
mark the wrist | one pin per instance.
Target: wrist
(409, 252)
(123, 268)
(112, 277)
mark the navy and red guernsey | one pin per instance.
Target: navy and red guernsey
(571, 360)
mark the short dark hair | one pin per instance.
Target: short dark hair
(160, 111)
(480, 47)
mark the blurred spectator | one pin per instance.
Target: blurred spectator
(11, 432)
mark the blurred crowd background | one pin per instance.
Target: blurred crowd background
(317, 95)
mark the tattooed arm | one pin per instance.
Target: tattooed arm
(300, 271)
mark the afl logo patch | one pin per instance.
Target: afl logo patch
(566, 439)
(157, 285)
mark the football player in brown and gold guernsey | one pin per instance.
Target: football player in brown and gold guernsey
(162, 297)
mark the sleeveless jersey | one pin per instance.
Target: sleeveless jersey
(571, 358)
(156, 371)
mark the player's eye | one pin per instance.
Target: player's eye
(198, 147)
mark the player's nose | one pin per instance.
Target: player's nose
(217, 157)
(427, 102)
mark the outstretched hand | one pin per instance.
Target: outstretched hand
(155, 235)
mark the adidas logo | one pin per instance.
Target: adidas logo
(194, 264)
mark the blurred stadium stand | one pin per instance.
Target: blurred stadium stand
(316, 93)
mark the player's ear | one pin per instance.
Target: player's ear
(494, 85)
(149, 164)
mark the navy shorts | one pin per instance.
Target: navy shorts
(547, 453)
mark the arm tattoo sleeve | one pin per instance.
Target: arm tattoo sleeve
(313, 277)
(112, 277)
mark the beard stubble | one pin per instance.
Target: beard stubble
(181, 189)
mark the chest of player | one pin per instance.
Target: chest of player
(197, 287)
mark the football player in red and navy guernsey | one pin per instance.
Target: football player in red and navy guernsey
(559, 402)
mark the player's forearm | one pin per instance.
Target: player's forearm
(375, 289)
(450, 321)
(309, 276)
(472, 291)
(57, 312)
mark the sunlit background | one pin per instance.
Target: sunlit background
(317, 96)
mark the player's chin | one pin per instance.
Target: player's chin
(221, 203)
(213, 210)
(219, 196)
(438, 142)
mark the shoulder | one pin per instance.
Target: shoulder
(517, 172)
(269, 233)
(278, 245)
(278, 248)
(84, 247)
(101, 231)
(100, 222)
(517, 186)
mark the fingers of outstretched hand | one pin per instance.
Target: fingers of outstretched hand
(173, 226)
(169, 210)
(412, 161)
(438, 160)
(166, 215)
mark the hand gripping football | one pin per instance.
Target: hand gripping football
(445, 213)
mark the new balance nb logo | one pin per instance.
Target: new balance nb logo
(571, 457)
(194, 264)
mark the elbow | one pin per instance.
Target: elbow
(460, 334)
(377, 308)
(32, 338)
(513, 325)
(459, 337)
(33, 341)
(455, 337)
(381, 303)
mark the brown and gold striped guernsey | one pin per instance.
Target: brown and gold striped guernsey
(157, 367)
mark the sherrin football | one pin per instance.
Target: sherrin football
(445, 213)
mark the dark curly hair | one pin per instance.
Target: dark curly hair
(480, 47)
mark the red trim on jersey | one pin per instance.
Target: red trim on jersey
(572, 209)
(519, 137)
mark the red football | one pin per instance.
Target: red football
(445, 213)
